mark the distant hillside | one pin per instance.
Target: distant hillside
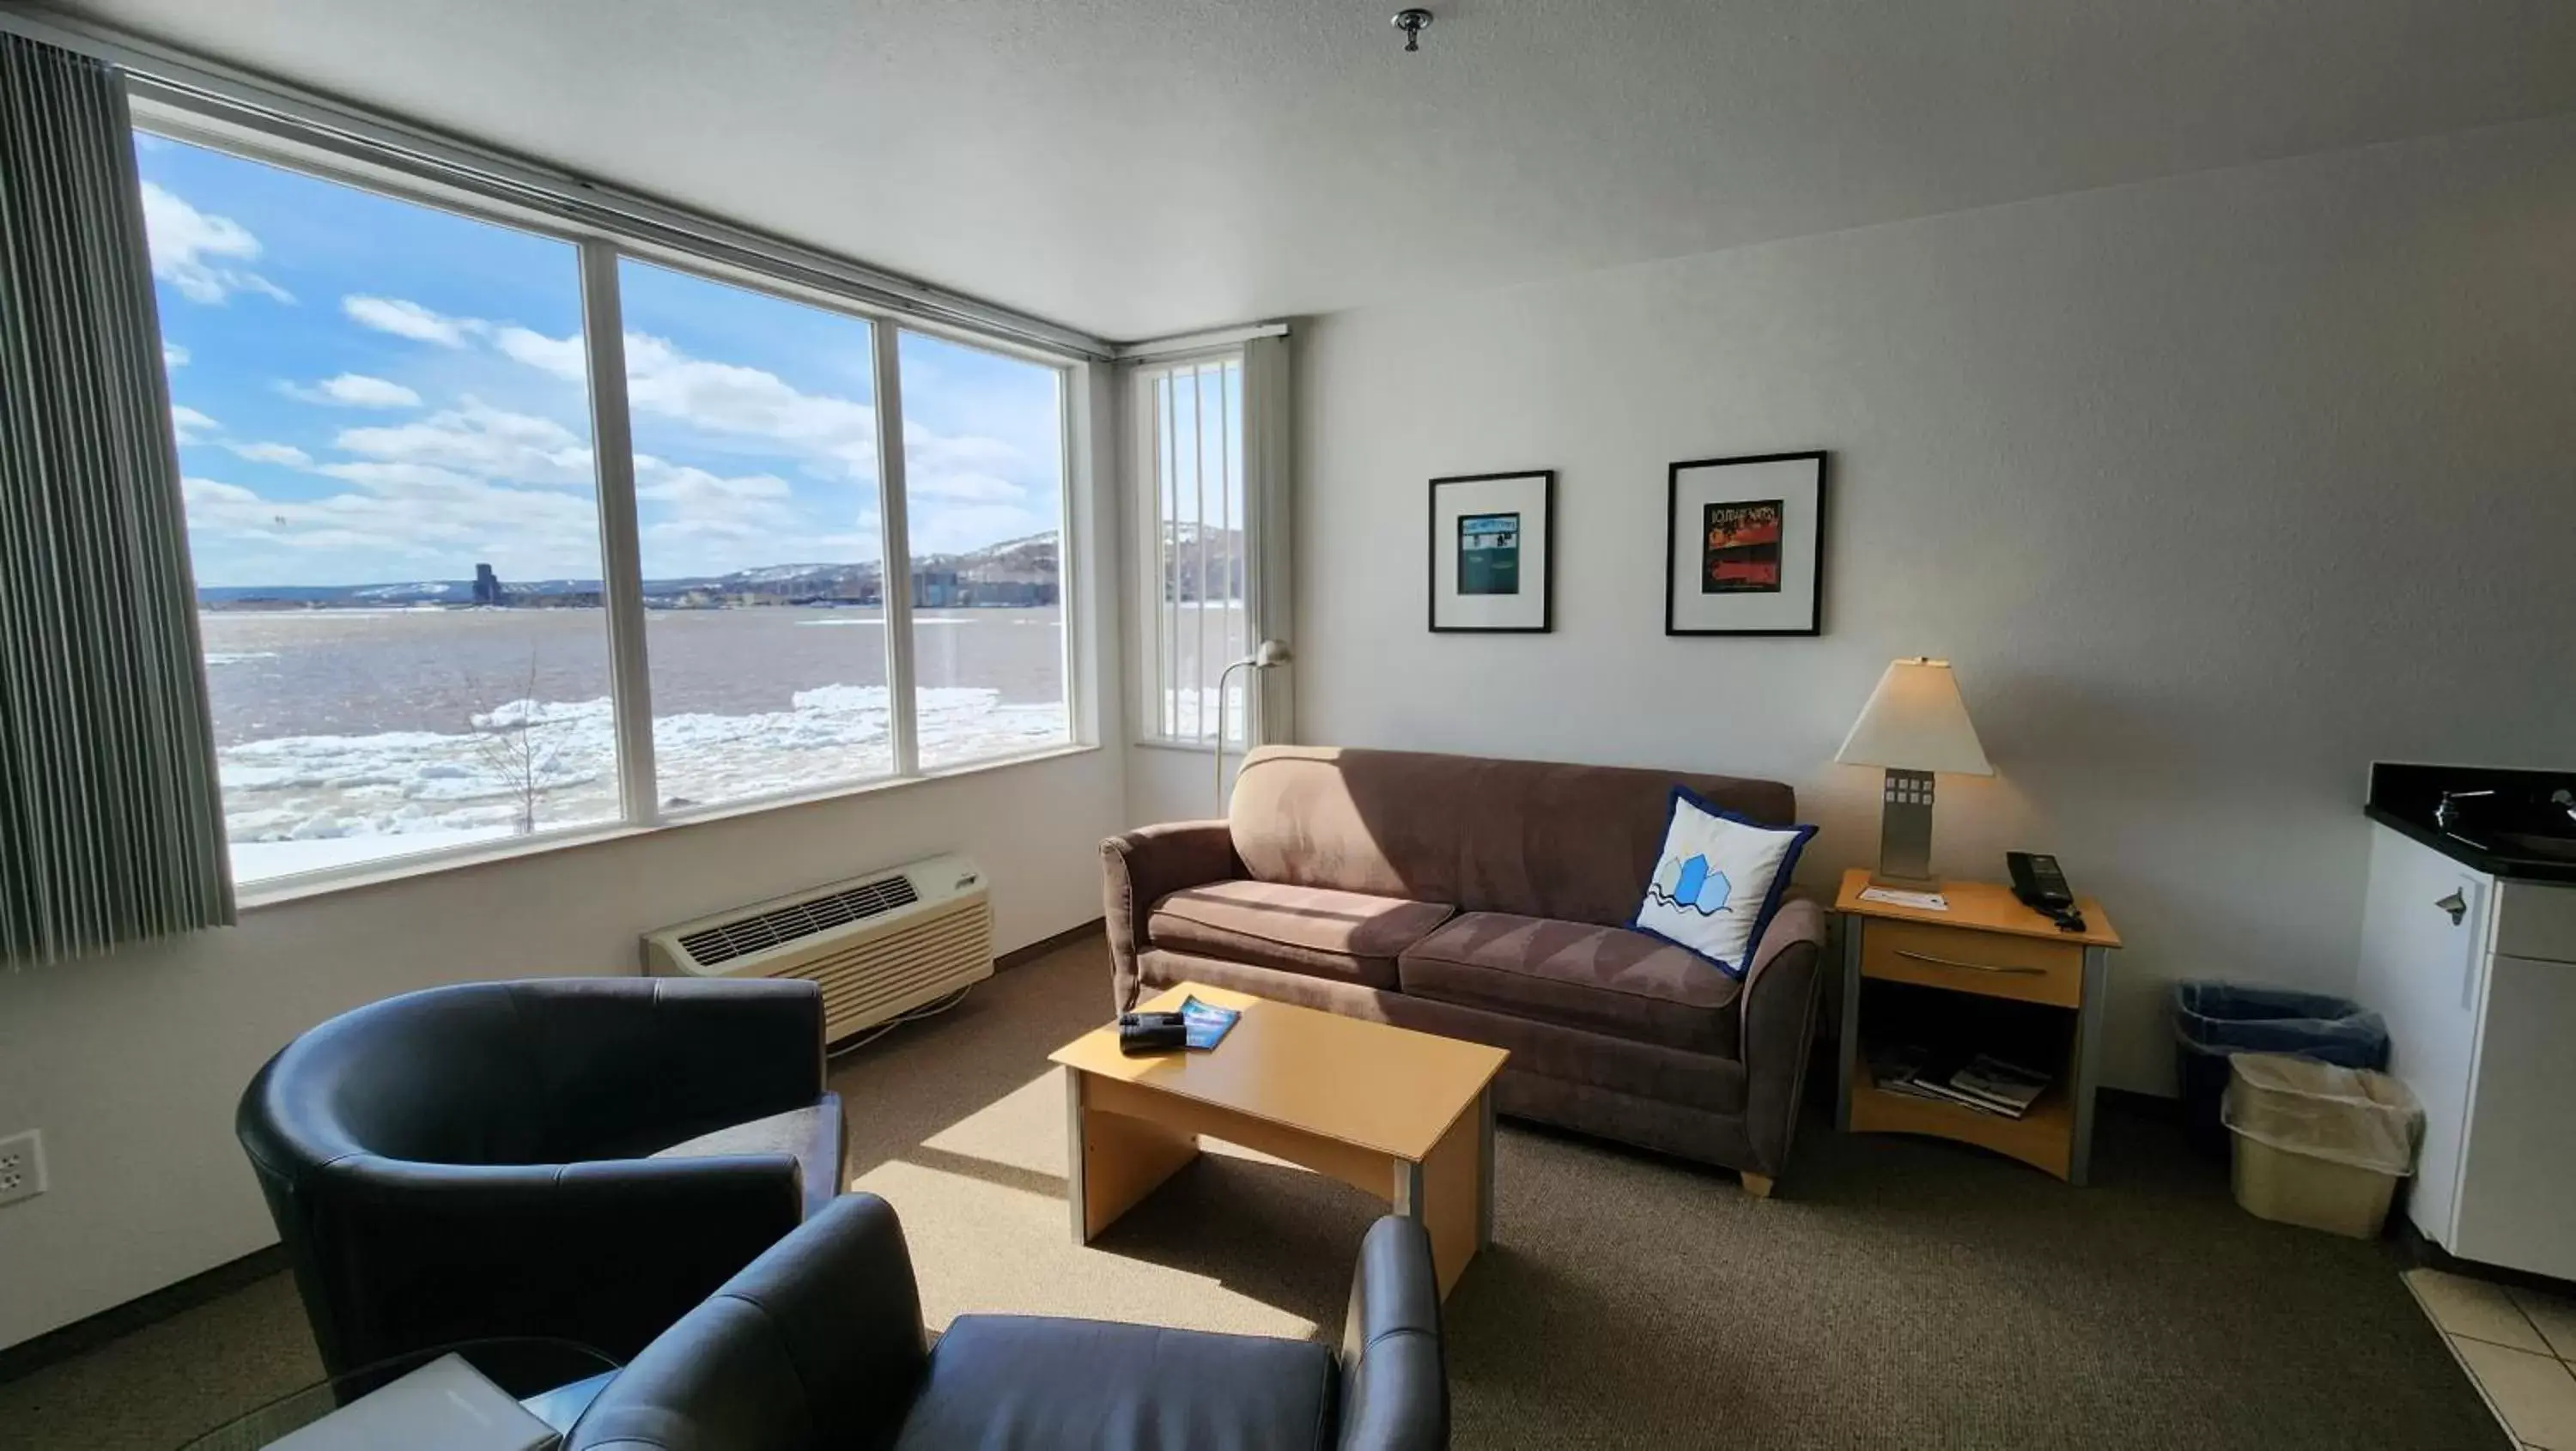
(1203, 563)
(1032, 560)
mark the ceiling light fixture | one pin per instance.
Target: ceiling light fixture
(1413, 20)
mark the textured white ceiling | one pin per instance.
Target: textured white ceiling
(1134, 167)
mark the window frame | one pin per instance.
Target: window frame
(1145, 492)
(312, 151)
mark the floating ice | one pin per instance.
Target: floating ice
(545, 765)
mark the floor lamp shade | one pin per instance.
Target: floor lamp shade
(1914, 725)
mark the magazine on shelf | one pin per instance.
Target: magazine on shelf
(1983, 1082)
(2007, 1087)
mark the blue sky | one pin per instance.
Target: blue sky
(371, 391)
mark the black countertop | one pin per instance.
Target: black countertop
(2483, 830)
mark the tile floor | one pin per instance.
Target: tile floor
(2518, 1346)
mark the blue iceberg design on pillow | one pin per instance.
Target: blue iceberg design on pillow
(1693, 884)
(1718, 881)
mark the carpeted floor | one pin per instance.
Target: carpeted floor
(1896, 1294)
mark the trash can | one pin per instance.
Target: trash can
(2213, 1020)
(2319, 1145)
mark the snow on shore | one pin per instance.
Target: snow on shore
(553, 764)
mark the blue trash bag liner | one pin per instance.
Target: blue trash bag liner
(2226, 1017)
(2215, 1020)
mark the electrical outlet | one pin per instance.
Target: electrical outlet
(22, 1166)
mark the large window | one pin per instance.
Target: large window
(393, 517)
(1197, 575)
(762, 551)
(431, 614)
(983, 446)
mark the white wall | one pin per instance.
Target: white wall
(132, 1064)
(2214, 488)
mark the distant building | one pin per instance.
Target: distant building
(936, 589)
(487, 587)
(1010, 593)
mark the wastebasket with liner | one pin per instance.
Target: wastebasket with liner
(2215, 1020)
(2319, 1145)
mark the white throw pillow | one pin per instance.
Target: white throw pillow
(1718, 881)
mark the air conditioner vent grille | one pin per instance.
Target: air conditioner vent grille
(748, 935)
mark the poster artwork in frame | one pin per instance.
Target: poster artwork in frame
(1744, 545)
(1492, 565)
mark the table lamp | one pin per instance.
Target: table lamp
(1914, 725)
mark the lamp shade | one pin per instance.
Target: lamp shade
(1915, 721)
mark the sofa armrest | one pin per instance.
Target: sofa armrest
(1781, 990)
(817, 1342)
(1395, 1387)
(1142, 867)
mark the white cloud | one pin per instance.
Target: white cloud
(213, 494)
(729, 398)
(405, 319)
(441, 521)
(722, 398)
(173, 356)
(972, 526)
(355, 390)
(970, 487)
(680, 484)
(273, 453)
(187, 425)
(483, 441)
(564, 357)
(478, 477)
(189, 248)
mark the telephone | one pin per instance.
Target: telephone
(2042, 888)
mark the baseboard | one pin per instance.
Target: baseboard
(1020, 956)
(118, 1321)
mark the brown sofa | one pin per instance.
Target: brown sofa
(1486, 899)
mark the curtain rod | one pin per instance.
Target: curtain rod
(1182, 344)
(176, 77)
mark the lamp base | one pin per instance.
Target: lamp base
(1905, 832)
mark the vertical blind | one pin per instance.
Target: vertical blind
(111, 826)
(1198, 599)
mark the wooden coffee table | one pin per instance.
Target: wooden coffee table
(1406, 1116)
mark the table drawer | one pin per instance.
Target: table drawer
(1993, 964)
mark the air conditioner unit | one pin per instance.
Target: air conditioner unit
(881, 945)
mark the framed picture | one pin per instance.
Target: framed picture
(1491, 565)
(1744, 546)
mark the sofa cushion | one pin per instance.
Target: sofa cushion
(1604, 979)
(1313, 930)
(1713, 1082)
(1013, 1383)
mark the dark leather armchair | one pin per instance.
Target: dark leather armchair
(818, 1346)
(474, 1162)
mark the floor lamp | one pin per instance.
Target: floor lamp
(1268, 655)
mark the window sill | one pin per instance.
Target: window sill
(282, 890)
(1191, 748)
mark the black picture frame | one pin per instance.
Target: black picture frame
(1547, 568)
(1672, 539)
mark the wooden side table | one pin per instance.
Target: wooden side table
(1988, 945)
